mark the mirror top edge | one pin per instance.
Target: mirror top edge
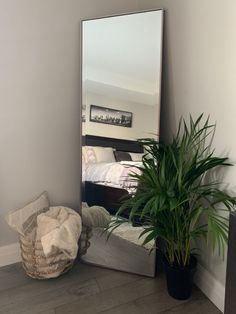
(122, 14)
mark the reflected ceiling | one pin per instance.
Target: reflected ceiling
(106, 71)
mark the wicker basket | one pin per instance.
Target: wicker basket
(84, 239)
(37, 265)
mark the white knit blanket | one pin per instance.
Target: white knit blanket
(59, 229)
(95, 216)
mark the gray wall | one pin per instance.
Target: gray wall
(40, 96)
(200, 76)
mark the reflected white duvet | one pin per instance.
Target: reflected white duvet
(115, 174)
(129, 233)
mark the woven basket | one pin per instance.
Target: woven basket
(37, 265)
(84, 239)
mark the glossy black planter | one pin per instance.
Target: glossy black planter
(180, 279)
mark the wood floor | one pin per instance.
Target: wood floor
(88, 289)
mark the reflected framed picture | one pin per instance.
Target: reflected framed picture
(111, 116)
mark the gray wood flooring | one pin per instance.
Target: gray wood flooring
(89, 290)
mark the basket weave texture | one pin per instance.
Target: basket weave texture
(33, 223)
(84, 239)
(37, 265)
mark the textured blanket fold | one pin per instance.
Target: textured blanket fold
(95, 216)
(92, 217)
(59, 229)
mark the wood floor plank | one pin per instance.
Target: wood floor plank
(127, 308)
(153, 304)
(52, 311)
(113, 297)
(34, 287)
(13, 276)
(115, 279)
(32, 303)
(199, 306)
(157, 304)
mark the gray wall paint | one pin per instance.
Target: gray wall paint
(40, 97)
(199, 76)
(144, 121)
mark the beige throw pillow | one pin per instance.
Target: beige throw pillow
(23, 220)
(96, 154)
(104, 154)
(136, 156)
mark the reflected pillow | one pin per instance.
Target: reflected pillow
(96, 154)
(88, 155)
(122, 156)
(136, 156)
(104, 154)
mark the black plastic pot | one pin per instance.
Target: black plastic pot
(180, 279)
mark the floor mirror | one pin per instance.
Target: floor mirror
(121, 87)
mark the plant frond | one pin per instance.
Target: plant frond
(175, 194)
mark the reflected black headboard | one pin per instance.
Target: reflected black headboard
(118, 144)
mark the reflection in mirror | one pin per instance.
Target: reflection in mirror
(120, 104)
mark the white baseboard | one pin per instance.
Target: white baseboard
(211, 287)
(9, 254)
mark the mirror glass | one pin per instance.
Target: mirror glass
(121, 73)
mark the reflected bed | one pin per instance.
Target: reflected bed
(106, 183)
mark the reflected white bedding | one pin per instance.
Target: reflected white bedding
(115, 174)
(129, 233)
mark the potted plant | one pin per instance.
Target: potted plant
(178, 201)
